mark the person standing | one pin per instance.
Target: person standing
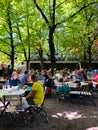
(22, 67)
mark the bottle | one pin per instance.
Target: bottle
(18, 87)
(4, 87)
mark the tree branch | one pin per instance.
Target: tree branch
(53, 14)
(20, 37)
(5, 53)
(76, 13)
(61, 3)
(5, 42)
(42, 13)
(85, 6)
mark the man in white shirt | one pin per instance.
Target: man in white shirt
(22, 67)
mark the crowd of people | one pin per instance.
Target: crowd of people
(21, 77)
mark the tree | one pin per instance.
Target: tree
(8, 37)
(29, 36)
(82, 29)
(51, 25)
(88, 30)
(63, 24)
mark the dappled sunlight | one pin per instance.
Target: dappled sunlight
(93, 128)
(59, 114)
(92, 117)
(71, 115)
(1, 106)
(55, 116)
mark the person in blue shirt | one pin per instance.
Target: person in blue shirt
(79, 76)
(25, 78)
(90, 73)
(14, 81)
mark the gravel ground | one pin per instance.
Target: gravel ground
(64, 115)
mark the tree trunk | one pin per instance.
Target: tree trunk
(27, 59)
(27, 64)
(52, 49)
(40, 51)
(84, 59)
(11, 38)
(89, 55)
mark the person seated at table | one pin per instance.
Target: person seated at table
(62, 89)
(64, 76)
(90, 73)
(25, 78)
(36, 95)
(14, 81)
(95, 77)
(40, 75)
(84, 73)
(78, 76)
(49, 85)
(45, 75)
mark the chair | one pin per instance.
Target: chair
(34, 110)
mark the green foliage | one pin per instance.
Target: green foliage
(77, 26)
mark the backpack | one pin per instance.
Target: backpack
(63, 89)
(49, 83)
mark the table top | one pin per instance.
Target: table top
(83, 83)
(1, 95)
(28, 89)
(3, 81)
(9, 92)
(70, 84)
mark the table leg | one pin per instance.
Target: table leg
(5, 106)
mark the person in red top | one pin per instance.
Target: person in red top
(95, 76)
